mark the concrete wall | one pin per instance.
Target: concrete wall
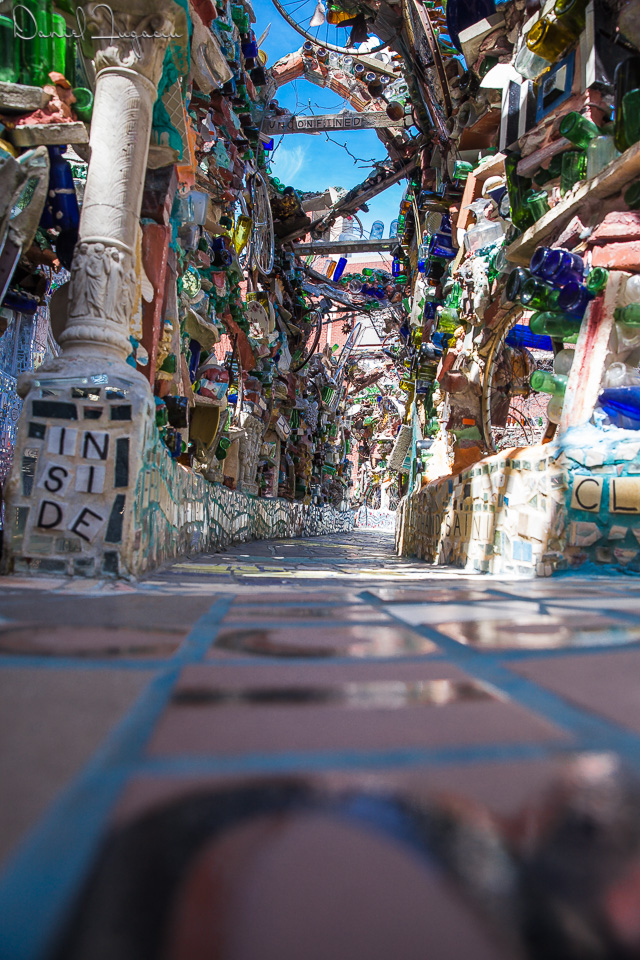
(533, 511)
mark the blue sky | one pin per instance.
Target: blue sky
(311, 162)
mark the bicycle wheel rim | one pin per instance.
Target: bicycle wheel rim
(335, 48)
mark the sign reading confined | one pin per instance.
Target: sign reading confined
(333, 121)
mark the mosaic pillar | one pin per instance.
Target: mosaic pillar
(87, 423)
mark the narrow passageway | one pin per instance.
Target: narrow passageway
(275, 730)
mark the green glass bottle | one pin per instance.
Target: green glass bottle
(537, 202)
(630, 315)
(517, 186)
(553, 171)
(597, 280)
(70, 61)
(553, 383)
(578, 129)
(37, 53)
(59, 45)
(537, 294)
(554, 325)
(631, 116)
(574, 169)
(9, 52)
(83, 106)
(632, 196)
(627, 79)
(515, 282)
(571, 14)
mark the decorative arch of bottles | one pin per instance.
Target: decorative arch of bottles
(341, 74)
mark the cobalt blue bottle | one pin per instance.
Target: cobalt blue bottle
(570, 269)
(442, 244)
(574, 299)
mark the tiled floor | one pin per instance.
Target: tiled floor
(314, 750)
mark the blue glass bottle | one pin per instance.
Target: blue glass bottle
(622, 401)
(557, 265)
(195, 349)
(61, 209)
(339, 270)
(396, 267)
(544, 262)
(442, 244)
(570, 269)
(574, 299)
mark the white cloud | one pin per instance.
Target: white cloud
(288, 162)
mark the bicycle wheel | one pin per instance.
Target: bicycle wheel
(513, 415)
(305, 349)
(299, 14)
(262, 234)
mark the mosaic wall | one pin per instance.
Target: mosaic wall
(178, 512)
(535, 510)
(94, 492)
(375, 519)
(23, 346)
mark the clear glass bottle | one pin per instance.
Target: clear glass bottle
(563, 361)
(529, 65)
(600, 153)
(554, 409)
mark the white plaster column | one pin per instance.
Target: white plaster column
(103, 272)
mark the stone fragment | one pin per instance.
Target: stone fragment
(593, 458)
(625, 556)
(617, 532)
(49, 134)
(583, 533)
(18, 98)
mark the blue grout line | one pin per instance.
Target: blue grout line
(329, 760)
(586, 727)
(41, 879)
(39, 882)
